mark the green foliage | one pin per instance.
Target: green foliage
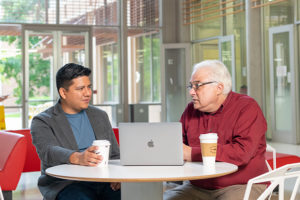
(144, 64)
(11, 68)
(23, 11)
(148, 55)
(39, 69)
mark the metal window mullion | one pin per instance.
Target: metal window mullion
(151, 68)
(87, 50)
(57, 62)
(112, 72)
(25, 67)
(233, 67)
(57, 11)
(123, 63)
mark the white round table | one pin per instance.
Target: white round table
(141, 182)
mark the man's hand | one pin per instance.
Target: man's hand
(2, 98)
(87, 157)
(187, 153)
(115, 186)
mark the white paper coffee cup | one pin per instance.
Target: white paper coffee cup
(208, 143)
(103, 150)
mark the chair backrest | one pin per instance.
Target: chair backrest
(273, 151)
(1, 194)
(116, 132)
(32, 162)
(12, 159)
(277, 177)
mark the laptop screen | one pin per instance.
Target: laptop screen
(151, 143)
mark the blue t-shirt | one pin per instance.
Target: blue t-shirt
(82, 129)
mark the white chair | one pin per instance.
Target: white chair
(1, 195)
(277, 177)
(271, 149)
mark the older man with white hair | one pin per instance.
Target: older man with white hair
(240, 125)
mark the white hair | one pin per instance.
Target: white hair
(218, 73)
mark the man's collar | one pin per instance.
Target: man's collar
(224, 104)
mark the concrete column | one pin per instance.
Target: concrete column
(124, 61)
(173, 30)
(255, 72)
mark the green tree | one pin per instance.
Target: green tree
(39, 69)
(25, 11)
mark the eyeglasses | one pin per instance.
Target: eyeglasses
(196, 86)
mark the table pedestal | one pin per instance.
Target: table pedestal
(142, 190)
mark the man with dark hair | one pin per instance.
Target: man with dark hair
(64, 134)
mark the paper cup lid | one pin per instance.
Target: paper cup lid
(208, 136)
(101, 142)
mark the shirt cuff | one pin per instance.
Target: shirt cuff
(196, 154)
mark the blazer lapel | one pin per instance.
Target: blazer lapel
(65, 132)
(96, 124)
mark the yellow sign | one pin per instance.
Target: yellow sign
(2, 118)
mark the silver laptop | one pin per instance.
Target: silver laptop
(151, 143)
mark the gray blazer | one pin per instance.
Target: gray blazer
(54, 140)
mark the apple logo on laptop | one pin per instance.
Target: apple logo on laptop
(150, 144)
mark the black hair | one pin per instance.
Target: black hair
(68, 72)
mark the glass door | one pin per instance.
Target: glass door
(282, 72)
(175, 76)
(227, 56)
(44, 53)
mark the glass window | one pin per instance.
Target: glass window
(10, 68)
(235, 25)
(204, 18)
(11, 75)
(143, 61)
(96, 12)
(274, 15)
(87, 12)
(111, 73)
(106, 73)
(206, 29)
(214, 19)
(29, 11)
(206, 50)
(298, 10)
(143, 13)
(40, 76)
(73, 48)
(145, 68)
(156, 68)
(278, 14)
(13, 118)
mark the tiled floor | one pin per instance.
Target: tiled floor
(27, 189)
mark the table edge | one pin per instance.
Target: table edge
(141, 179)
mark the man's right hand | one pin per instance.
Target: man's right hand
(187, 153)
(87, 157)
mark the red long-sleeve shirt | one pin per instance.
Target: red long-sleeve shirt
(241, 127)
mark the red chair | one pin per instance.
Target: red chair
(32, 162)
(12, 159)
(116, 132)
(275, 160)
(281, 159)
